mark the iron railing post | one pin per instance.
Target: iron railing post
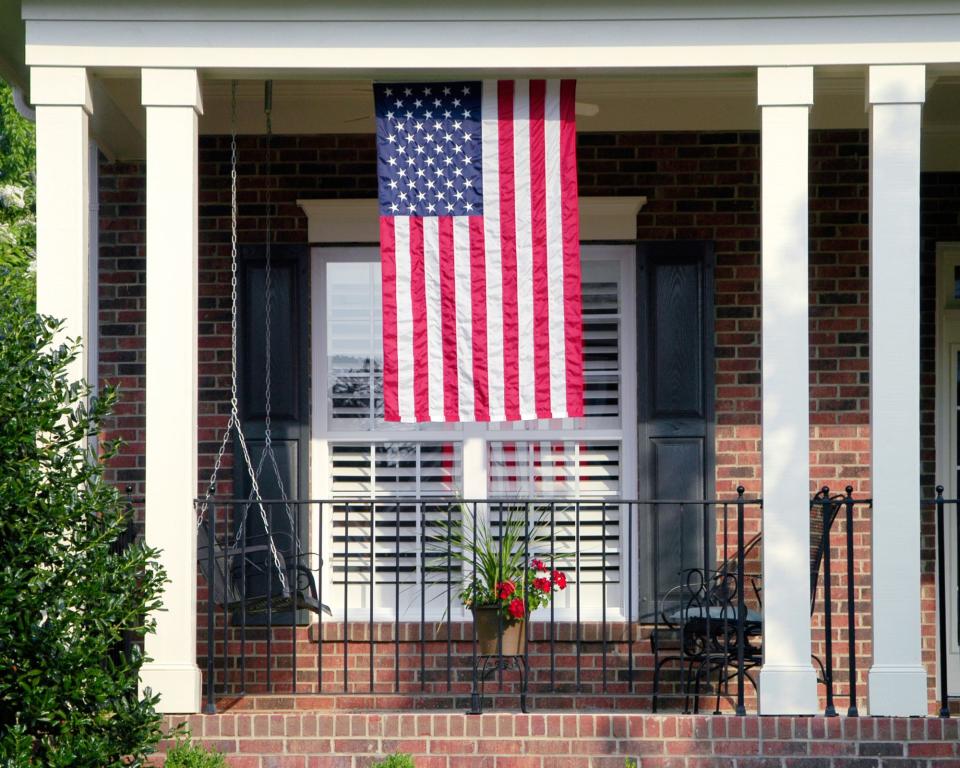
(211, 706)
(425, 569)
(526, 606)
(476, 705)
(449, 597)
(576, 553)
(741, 602)
(553, 618)
(243, 608)
(630, 555)
(603, 591)
(293, 577)
(654, 512)
(942, 604)
(373, 578)
(826, 517)
(852, 710)
(319, 596)
(346, 591)
(396, 597)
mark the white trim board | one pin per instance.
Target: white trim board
(356, 220)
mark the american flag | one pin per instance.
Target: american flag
(480, 250)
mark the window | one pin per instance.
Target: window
(360, 457)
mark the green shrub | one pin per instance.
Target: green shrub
(186, 755)
(68, 595)
(396, 760)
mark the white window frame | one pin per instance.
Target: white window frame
(345, 230)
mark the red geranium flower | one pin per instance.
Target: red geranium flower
(517, 609)
(537, 565)
(560, 579)
(542, 584)
(505, 589)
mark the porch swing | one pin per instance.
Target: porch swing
(239, 573)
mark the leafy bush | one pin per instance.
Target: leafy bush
(18, 226)
(396, 760)
(186, 755)
(68, 595)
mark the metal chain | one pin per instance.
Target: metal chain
(268, 276)
(234, 421)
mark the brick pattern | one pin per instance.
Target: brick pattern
(288, 739)
(413, 668)
(700, 186)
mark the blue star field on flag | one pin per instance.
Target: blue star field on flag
(429, 149)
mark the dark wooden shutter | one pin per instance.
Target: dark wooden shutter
(290, 408)
(675, 380)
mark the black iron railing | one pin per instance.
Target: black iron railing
(664, 599)
(948, 597)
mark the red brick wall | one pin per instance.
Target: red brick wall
(700, 186)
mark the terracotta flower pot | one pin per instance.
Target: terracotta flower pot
(491, 627)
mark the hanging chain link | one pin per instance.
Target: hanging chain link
(234, 421)
(268, 275)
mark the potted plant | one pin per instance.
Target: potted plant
(507, 577)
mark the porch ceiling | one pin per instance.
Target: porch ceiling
(668, 100)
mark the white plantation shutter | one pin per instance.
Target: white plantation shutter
(601, 341)
(558, 473)
(377, 523)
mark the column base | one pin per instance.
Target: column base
(788, 691)
(177, 684)
(897, 691)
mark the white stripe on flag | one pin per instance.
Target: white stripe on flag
(401, 229)
(524, 229)
(464, 299)
(431, 270)
(494, 274)
(558, 362)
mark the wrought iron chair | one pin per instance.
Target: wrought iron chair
(698, 615)
(699, 631)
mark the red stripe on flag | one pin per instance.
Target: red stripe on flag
(508, 252)
(573, 324)
(418, 300)
(388, 282)
(478, 294)
(448, 319)
(538, 219)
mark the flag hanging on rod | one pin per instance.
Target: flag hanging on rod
(480, 250)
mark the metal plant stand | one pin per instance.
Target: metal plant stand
(490, 664)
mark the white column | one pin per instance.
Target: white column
(62, 99)
(172, 101)
(897, 683)
(788, 684)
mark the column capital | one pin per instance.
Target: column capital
(60, 87)
(171, 88)
(896, 84)
(785, 86)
